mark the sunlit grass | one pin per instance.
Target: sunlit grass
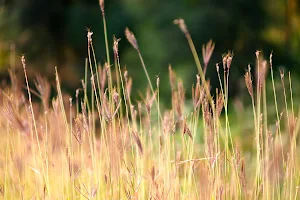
(106, 145)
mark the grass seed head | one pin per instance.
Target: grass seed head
(116, 96)
(172, 77)
(140, 108)
(248, 81)
(224, 62)
(128, 88)
(102, 76)
(180, 22)
(138, 141)
(23, 61)
(101, 4)
(228, 62)
(207, 51)
(126, 75)
(116, 48)
(78, 129)
(131, 38)
(89, 36)
(257, 54)
(262, 73)
(220, 103)
(187, 131)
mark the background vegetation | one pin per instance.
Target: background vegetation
(52, 33)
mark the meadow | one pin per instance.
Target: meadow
(103, 144)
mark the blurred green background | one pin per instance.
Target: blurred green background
(53, 33)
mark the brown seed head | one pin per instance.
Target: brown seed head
(107, 69)
(137, 141)
(78, 130)
(116, 48)
(140, 108)
(263, 73)
(224, 62)
(207, 51)
(126, 75)
(229, 60)
(220, 103)
(153, 173)
(187, 131)
(89, 36)
(180, 22)
(172, 77)
(101, 3)
(102, 75)
(116, 97)
(128, 87)
(131, 38)
(248, 81)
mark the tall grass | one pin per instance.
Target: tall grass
(104, 146)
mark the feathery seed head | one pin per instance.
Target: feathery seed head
(220, 103)
(116, 97)
(138, 142)
(207, 51)
(116, 48)
(229, 60)
(248, 81)
(131, 38)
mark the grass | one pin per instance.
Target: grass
(103, 146)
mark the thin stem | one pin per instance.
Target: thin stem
(149, 81)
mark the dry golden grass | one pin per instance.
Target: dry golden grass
(103, 146)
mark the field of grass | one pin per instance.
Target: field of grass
(102, 144)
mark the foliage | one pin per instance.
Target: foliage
(55, 30)
(106, 146)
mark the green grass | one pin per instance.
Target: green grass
(104, 146)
